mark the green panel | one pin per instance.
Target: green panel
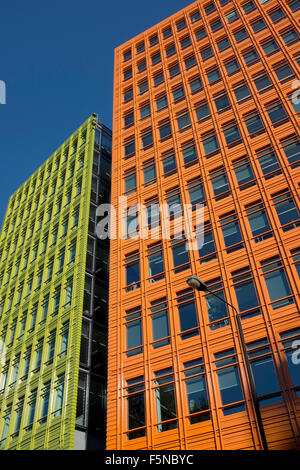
(32, 273)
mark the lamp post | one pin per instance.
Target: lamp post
(196, 283)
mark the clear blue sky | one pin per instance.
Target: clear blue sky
(57, 62)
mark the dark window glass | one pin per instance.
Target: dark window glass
(229, 383)
(187, 314)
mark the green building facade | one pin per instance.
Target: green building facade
(53, 300)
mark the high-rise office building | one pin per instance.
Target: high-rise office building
(53, 300)
(206, 111)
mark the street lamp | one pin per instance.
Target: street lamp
(195, 283)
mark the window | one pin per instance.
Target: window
(174, 203)
(190, 62)
(128, 121)
(244, 174)
(268, 162)
(81, 409)
(245, 292)
(156, 263)
(161, 103)
(196, 193)
(250, 57)
(143, 87)
(216, 25)
(165, 400)
(258, 25)
(128, 95)
(64, 338)
(202, 111)
(220, 183)
(232, 134)
(231, 392)
(270, 47)
(134, 335)
(276, 282)
(196, 391)
(160, 323)
(223, 44)
(129, 148)
(127, 74)
(284, 72)
(165, 130)
(231, 16)
(153, 40)
(170, 50)
(130, 181)
(158, 78)
(181, 259)
(254, 124)
(248, 7)
(290, 37)
(187, 314)
(288, 340)
(169, 163)
(38, 355)
(183, 121)
(200, 33)
(149, 172)
(185, 42)
(153, 213)
(287, 211)
(147, 139)
(242, 92)
(59, 394)
(45, 402)
(231, 66)
(276, 15)
(195, 85)
(56, 300)
(218, 315)
(136, 417)
(294, 5)
(262, 83)
(231, 232)
(276, 113)
(19, 415)
(167, 32)
(132, 267)
(174, 70)
(206, 244)
(189, 154)
(140, 47)
(178, 94)
(181, 25)
(132, 222)
(209, 8)
(206, 53)
(195, 16)
(156, 58)
(262, 365)
(291, 148)
(6, 423)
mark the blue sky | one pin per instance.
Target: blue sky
(57, 63)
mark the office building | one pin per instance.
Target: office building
(54, 299)
(206, 111)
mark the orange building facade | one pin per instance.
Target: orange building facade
(206, 111)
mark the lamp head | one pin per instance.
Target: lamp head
(195, 283)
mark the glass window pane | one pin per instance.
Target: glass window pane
(265, 376)
(277, 285)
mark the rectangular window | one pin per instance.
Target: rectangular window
(187, 311)
(245, 292)
(156, 263)
(291, 148)
(220, 183)
(161, 103)
(132, 267)
(242, 93)
(262, 365)
(169, 163)
(244, 174)
(181, 259)
(276, 282)
(136, 415)
(276, 113)
(59, 395)
(45, 395)
(231, 232)
(205, 242)
(216, 308)
(232, 134)
(262, 83)
(202, 111)
(268, 162)
(134, 336)
(130, 181)
(254, 124)
(196, 391)
(166, 414)
(31, 410)
(258, 220)
(231, 66)
(160, 323)
(147, 139)
(229, 380)
(173, 200)
(210, 144)
(287, 211)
